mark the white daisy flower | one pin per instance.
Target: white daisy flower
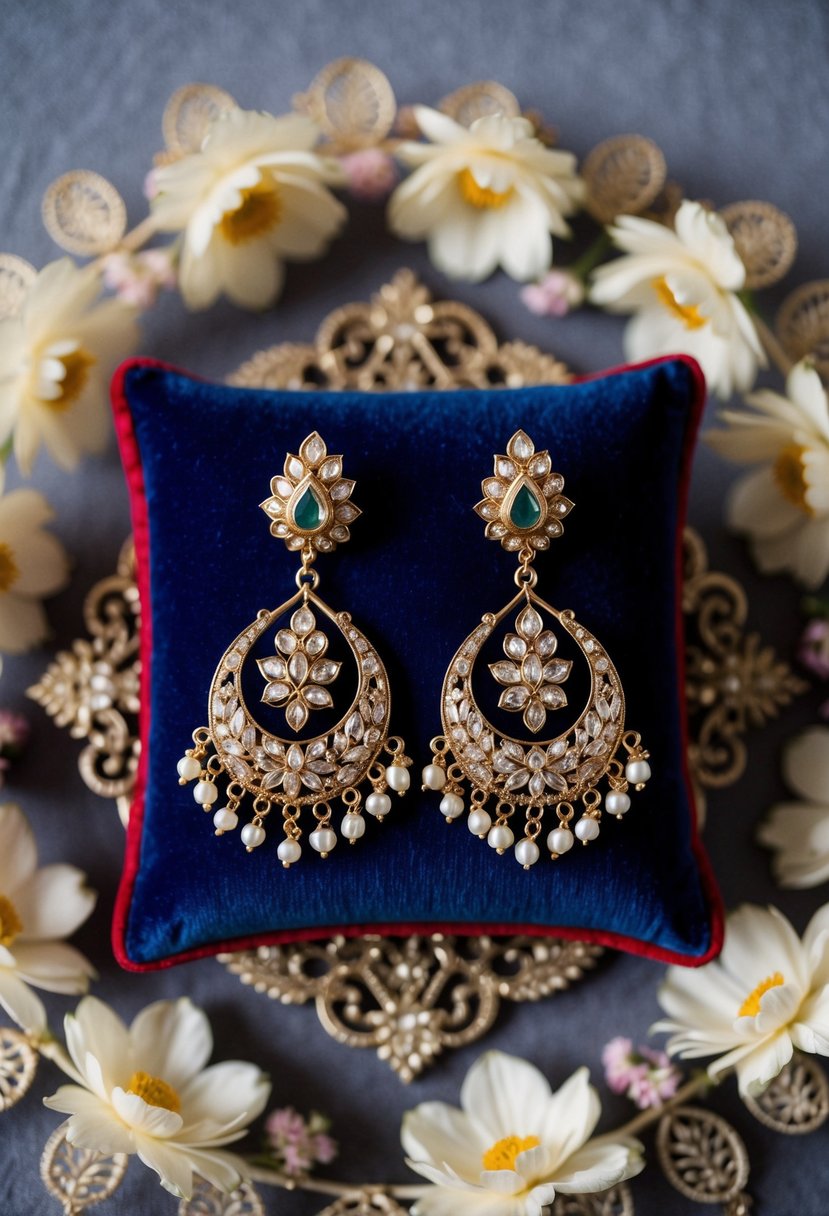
(766, 995)
(681, 286)
(783, 507)
(57, 356)
(33, 563)
(146, 1090)
(483, 196)
(255, 196)
(515, 1143)
(38, 908)
(798, 832)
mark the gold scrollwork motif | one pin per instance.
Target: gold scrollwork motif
(18, 1066)
(79, 1178)
(208, 1200)
(702, 1155)
(618, 1201)
(365, 1203)
(797, 1100)
(733, 681)
(412, 998)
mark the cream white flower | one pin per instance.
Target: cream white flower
(254, 196)
(38, 908)
(681, 286)
(767, 994)
(514, 1144)
(33, 563)
(783, 507)
(484, 196)
(798, 832)
(146, 1090)
(56, 359)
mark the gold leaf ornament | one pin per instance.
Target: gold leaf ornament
(803, 324)
(352, 102)
(797, 1100)
(624, 176)
(618, 1201)
(84, 213)
(16, 276)
(765, 238)
(364, 1203)
(79, 1178)
(702, 1155)
(207, 1200)
(188, 115)
(478, 100)
(18, 1066)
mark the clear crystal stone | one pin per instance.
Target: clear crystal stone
(286, 641)
(317, 698)
(535, 715)
(282, 487)
(462, 667)
(505, 673)
(379, 712)
(557, 670)
(494, 488)
(357, 755)
(513, 749)
(514, 646)
(274, 668)
(348, 774)
(536, 785)
(370, 665)
(302, 622)
(237, 722)
(603, 709)
(295, 468)
(521, 447)
(295, 758)
(555, 781)
(233, 660)
(505, 468)
(553, 696)
(529, 623)
(546, 645)
(296, 715)
(512, 542)
(556, 749)
(517, 779)
(615, 706)
(481, 773)
(341, 490)
(311, 780)
(488, 510)
(593, 723)
(597, 748)
(540, 465)
(531, 670)
(331, 469)
(503, 764)
(536, 759)
(346, 513)
(601, 664)
(313, 449)
(298, 666)
(355, 726)
(249, 738)
(473, 752)
(292, 784)
(554, 484)
(324, 671)
(316, 643)
(514, 698)
(589, 645)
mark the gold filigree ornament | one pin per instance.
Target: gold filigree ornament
(524, 509)
(310, 508)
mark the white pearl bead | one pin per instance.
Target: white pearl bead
(205, 793)
(434, 777)
(617, 803)
(451, 805)
(378, 804)
(188, 768)
(526, 852)
(479, 822)
(252, 835)
(353, 827)
(225, 820)
(323, 840)
(587, 829)
(560, 840)
(500, 837)
(398, 778)
(289, 851)
(637, 771)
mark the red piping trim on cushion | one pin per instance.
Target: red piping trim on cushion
(131, 460)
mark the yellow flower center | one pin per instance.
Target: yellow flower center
(154, 1091)
(503, 1154)
(789, 475)
(688, 314)
(10, 923)
(76, 366)
(751, 1005)
(9, 569)
(480, 196)
(259, 211)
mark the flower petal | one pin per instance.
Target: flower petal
(571, 1114)
(53, 903)
(599, 1165)
(172, 1040)
(506, 1096)
(53, 966)
(170, 1161)
(444, 1136)
(93, 1124)
(143, 1118)
(223, 1093)
(18, 851)
(806, 764)
(20, 1003)
(96, 1029)
(756, 1070)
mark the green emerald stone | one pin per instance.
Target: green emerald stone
(308, 512)
(525, 511)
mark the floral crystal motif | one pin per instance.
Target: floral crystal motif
(531, 675)
(297, 673)
(523, 505)
(309, 501)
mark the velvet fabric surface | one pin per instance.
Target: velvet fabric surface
(416, 577)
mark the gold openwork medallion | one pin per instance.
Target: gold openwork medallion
(310, 508)
(524, 509)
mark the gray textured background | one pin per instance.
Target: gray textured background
(737, 95)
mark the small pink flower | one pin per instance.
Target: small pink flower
(617, 1060)
(646, 1076)
(813, 651)
(372, 174)
(14, 732)
(554, 295)
(297, 1144)
(137, 278)
(150, 185)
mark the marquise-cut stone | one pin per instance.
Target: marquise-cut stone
(557, 670)
(302, 622)
(298, 667)
(331, 469)
(295, 757)
(553, 696)
(324, 671)
(534, 716)
(536, 759)
(536, 786)
(531, 670)
(313, 449)
(505, 672)
(286, 641)
(593, 723)
(517, 779)
(504, 467)
(292, 784)
(296, 715)
(554, 484)
(317, 698)
(514, 698)
(342, 490)
(557, 749)
(521, 447)
(525, 511)
(316, 643)
(494, 488)
(514, 646)
(529, 623)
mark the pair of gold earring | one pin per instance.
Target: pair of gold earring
(310, 508)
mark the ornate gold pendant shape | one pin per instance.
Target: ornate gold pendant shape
(310, 509)
(524, 509)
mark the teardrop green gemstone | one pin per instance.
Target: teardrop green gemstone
(308, 512)
(525, 511)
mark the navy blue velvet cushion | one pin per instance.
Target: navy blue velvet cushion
(416, 576)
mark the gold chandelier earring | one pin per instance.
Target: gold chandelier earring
(310, 509)
(524, 509)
